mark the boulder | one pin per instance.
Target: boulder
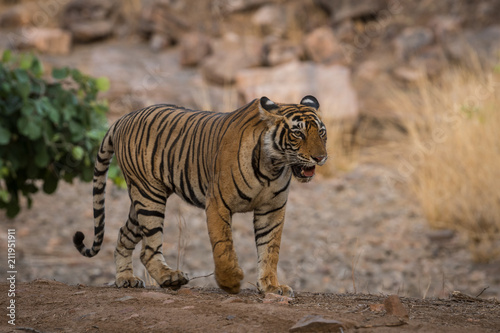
(341, 10)
(91, 30)
(277, 52)
(90, 20)
(194, 47)
(269, 19)
(484, 43)
(17, 16)
(160, 17)
(45, 40)
(411, 40)
(330, 84)
(322, 46)
(230, 55)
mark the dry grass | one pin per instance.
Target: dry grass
(453, 166)
(343, 151)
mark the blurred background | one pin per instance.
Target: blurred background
(409, 201)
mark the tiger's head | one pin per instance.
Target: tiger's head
(296, 135)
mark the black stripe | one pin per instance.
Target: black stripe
(151, 232)
(147, 212)
(270, 211)
(240, 193)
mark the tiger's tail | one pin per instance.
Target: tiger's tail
(104, 156)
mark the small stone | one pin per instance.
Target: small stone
(275, 298)
(233, 300)
(189, 307)
(377, 307)
(393, 306)
(158, 42)
(124, 298)
(230, 317)
(185, 291)
(312, 323)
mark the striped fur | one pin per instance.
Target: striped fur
(224, 163)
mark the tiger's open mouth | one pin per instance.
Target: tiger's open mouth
(303, 173)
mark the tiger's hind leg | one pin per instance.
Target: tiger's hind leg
(128, 237)
(150, 212)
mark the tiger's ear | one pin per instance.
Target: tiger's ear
(310, 101)
(268, 110)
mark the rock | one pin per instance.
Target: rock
(393, 306)
(331, 85)
(341, 10)
(90, 31)
(322, 46)
(275, 298)
(233, 300)
(431, 60)
(484, 43)
(124, 298)
(278, 52)
(377, 307)
(269, 19)
(229, 6)
(194, 47)
(231, 55)
(411, 40)
(159, 42)
(445, 25)
(314, 323)
(46, 40)
(17, 16)
(90, 20)
(160, 17)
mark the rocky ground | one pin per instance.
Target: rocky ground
(346, 239)
(81, 308)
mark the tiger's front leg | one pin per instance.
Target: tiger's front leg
(268, 226)
(228, 273)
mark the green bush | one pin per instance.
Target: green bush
(50, 129)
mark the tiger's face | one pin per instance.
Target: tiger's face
(297, 135)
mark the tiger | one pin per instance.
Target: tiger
(224, 163)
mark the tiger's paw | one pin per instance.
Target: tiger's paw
(230, 281)
(281, 289)
(173, 279)
(129, 281)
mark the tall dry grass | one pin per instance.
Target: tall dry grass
(453, 166)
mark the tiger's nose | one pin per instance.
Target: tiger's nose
(321, 159)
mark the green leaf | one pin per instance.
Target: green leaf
(60, 73)
(87, 174)
(42, 157)
(102, 84)
(4, 196)
(6, 56)
(37, 67)
(77, 153)
(30, 127)
(4, 135)
(26, 61)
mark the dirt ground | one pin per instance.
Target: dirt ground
(49, 306)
